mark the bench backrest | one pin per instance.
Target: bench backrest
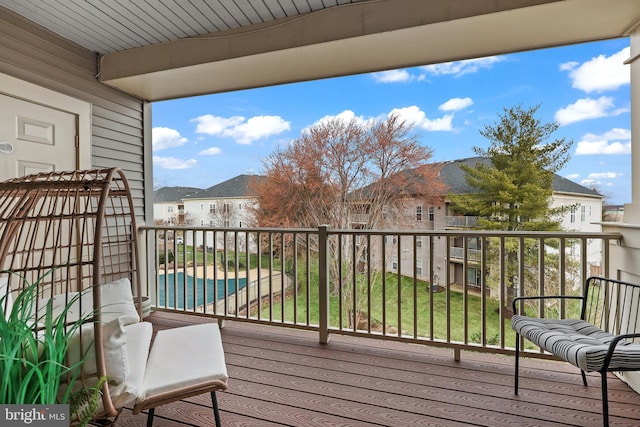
(612, 305)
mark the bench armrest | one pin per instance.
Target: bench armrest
(545, 297)
(612, 347)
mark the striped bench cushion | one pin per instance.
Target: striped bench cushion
(577, 342)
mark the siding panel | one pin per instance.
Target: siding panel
(35, 55)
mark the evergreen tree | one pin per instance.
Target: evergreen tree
(514, 184)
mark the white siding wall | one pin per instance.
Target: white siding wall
(37, 56)
(167, 212)
(587, 212)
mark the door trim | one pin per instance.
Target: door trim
(30, 92)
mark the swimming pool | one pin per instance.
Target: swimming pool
(179, 281)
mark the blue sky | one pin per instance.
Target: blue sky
(202, 141)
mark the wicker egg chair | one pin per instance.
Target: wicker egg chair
(75, 232)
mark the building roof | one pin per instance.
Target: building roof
(238, 186)
(454, 178)
(175, 194)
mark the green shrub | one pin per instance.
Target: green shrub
(33, 349)
(161, 258)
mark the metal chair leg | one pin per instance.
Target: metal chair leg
(515, 382)
(605, 400)
(216, 412)
(584, 378)
(150, 417)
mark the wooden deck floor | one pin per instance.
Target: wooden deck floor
(284, 377)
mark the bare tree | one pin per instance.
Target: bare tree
(336, 172)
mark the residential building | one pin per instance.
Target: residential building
(229, 204)
(583, 213)
(168, 205)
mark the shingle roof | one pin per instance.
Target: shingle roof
(235, 187)
(175, 194)
(454, 179)
(238, 186)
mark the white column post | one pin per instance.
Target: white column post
(632, 210)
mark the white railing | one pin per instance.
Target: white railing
(398, 285)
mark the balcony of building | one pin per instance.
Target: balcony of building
(386, 346)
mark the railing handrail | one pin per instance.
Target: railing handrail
(227, 253)
(435, 233)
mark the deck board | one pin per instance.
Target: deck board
(285, 377)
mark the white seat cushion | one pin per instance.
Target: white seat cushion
(117, 301)
(577, 342)
(114, 343)
(137, 349)
(184, 357)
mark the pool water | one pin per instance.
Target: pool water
(180, 282)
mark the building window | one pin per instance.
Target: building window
(583, 213)
(202, 223)
(227, 224)
(474, 276)
(170, 209)
(225, 208)
(573, 214)
(240, 206)
(418, 241)
(394, 263)
(419, 268)
(418, 213)
(201, 206)
(210, 223)
(212, 208)
(432, 213)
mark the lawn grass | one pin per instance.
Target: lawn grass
(416, 303)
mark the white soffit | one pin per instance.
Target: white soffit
(540, 26)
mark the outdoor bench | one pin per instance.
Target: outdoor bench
(602, 340)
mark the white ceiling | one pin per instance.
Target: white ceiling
(162, 49)
(108, 26)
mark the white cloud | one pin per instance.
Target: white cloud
(601, 73)
(595, 179)
(211, 151)
(242, 130)
(588, 108)
(162, 137)
(412, 115)
(173, 162)
(603, 175)
(615, 141)
(456, 104)
(573, 176)
(214, 125)
(346, 116)
(460, 68)
(392, 76)
(568, 66)
(417, 117)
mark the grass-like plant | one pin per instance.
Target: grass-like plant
(33, 350)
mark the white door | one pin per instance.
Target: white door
(35, 138)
